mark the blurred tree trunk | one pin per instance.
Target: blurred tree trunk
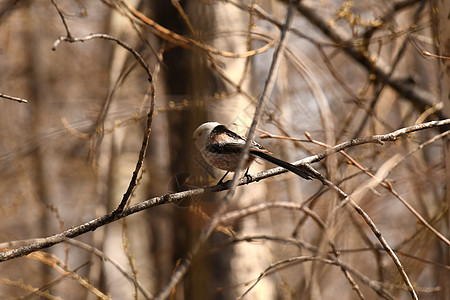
(175, 230)
(38, 91)
(244, 261)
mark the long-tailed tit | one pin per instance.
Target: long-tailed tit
(221, 148)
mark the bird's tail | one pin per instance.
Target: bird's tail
(299, 170)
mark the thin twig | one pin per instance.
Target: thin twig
(63, 19)
(105, 257)
(54, 262)
(20, 100)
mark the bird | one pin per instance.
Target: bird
(221, 148)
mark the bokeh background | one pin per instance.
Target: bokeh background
(351, 69)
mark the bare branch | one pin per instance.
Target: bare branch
(379, 139)
(106, 37)
(174, 197)
(20, 100)
(63, 19)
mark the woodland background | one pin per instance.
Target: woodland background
(350, 69)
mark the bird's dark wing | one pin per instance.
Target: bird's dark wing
(225, 148)
(225, 141)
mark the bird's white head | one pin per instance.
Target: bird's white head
(201, 134)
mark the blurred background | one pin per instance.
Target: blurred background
(351, 69)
